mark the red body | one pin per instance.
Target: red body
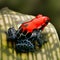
(36, 23)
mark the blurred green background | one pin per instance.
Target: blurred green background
(50, 8)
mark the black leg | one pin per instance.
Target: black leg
(40, 39)
(11, 34)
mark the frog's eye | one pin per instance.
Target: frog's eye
(47, 21)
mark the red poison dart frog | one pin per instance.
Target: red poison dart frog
(27, 33)
(39, 22)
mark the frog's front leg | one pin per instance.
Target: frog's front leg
(40, 39)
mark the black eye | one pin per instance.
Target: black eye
(47, 22)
